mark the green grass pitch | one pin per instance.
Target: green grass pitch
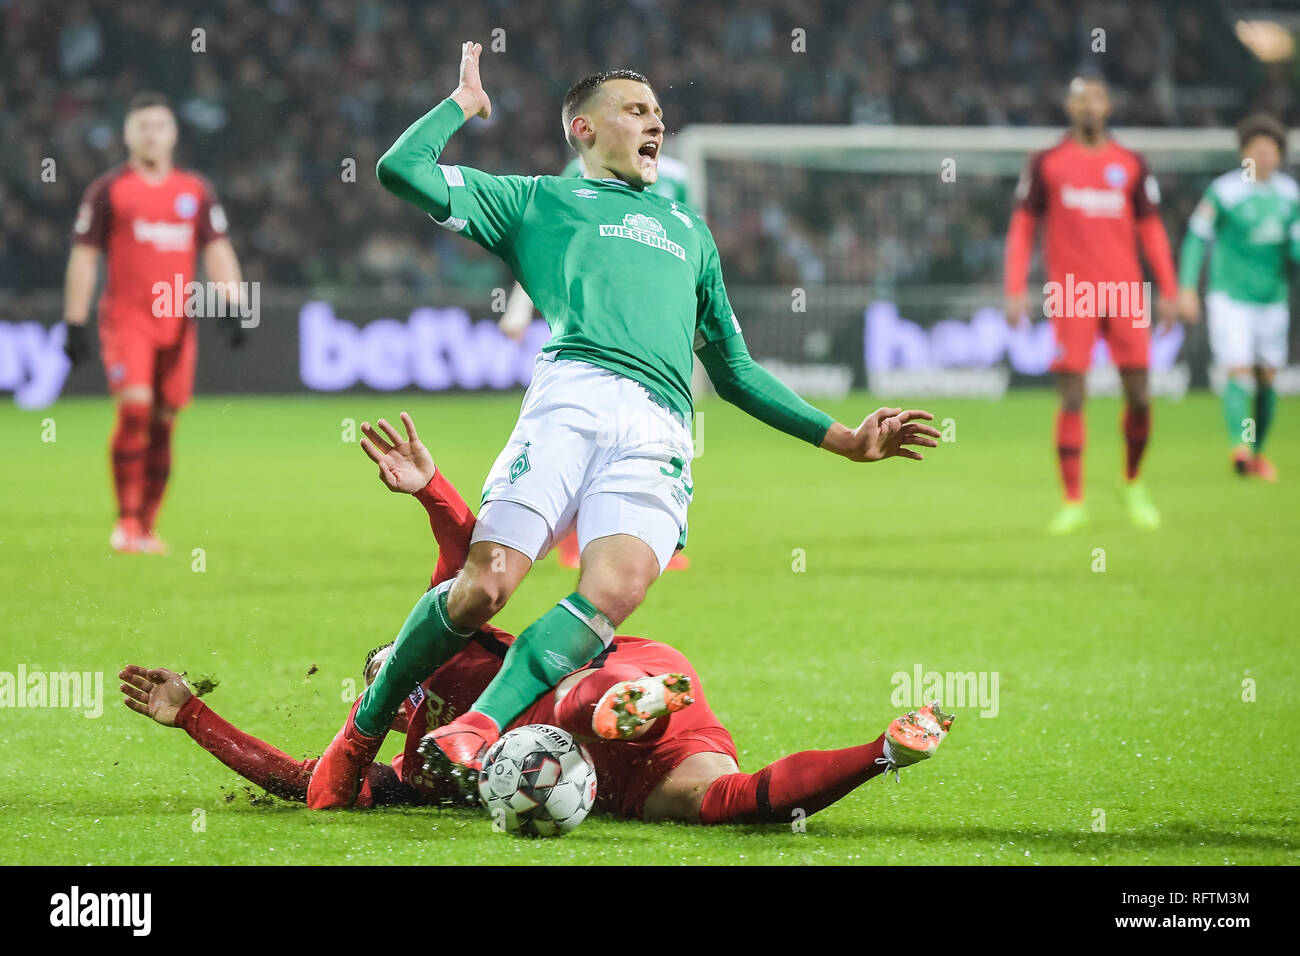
(1121, 734)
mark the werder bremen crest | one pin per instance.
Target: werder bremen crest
(519, 466)
(645, 229)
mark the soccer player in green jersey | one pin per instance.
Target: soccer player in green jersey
(518, 316)
(1252, 215)
(630, 286)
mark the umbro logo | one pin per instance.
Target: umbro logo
(586, 193)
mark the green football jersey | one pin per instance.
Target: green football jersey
(628, 280)
(671, 183)
(1255, 228)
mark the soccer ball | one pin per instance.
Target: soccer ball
(537, 781)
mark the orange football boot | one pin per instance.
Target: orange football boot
(631, 704)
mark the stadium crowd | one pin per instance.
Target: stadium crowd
(286, 105)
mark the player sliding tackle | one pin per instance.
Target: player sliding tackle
(659, 753)
(630, 286)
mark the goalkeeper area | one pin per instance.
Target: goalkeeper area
(1153, 730)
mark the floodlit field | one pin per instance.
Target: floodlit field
(1118, 732)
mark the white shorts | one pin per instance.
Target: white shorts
(1245, 334)
(593, 448)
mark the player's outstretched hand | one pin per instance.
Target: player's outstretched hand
(885, 433)
(470, 94)
(157, 693)
(403, 465)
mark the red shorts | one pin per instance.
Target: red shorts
(1076, 337)
(627, 771)
(132, 356)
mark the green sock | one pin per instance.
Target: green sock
(1236, 408)
(1265, 406)
(557, 643)
(426, 640)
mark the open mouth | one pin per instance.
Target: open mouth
(649, 149)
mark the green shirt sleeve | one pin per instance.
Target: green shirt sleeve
(479, 206)
(714, 317)
(1200, 233)
(734, 373)
(1293, 236)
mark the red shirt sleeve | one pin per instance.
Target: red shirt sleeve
(1151, 230)
(452, 523)
(212, 218)
(94, 214)
(1031, 204)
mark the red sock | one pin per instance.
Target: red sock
(574, 713)
(1069, 451)
(253, 759)
(807, 781)
(1137, 429)
(130, 444)
(157, 466)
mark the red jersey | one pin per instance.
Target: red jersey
(150, 233)
(1096, 202)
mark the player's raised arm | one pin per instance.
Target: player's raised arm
(410, 170)
(406, 466)
(479, 206)
(744, 383)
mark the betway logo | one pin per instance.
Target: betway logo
(434, 349)
(984, 341)
(1108, 203)
(166, 236)
(32, 363)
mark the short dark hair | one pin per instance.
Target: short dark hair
(1261, 124)
(142, 101)
(579, 93)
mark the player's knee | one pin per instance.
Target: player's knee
(476, 598)
(135, 395)
(1071, 389)
(614, 594)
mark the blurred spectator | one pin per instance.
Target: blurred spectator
(286, 105)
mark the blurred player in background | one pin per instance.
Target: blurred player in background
(1252, 215)
(1098, 200)
(671, 184)
(148, 219)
